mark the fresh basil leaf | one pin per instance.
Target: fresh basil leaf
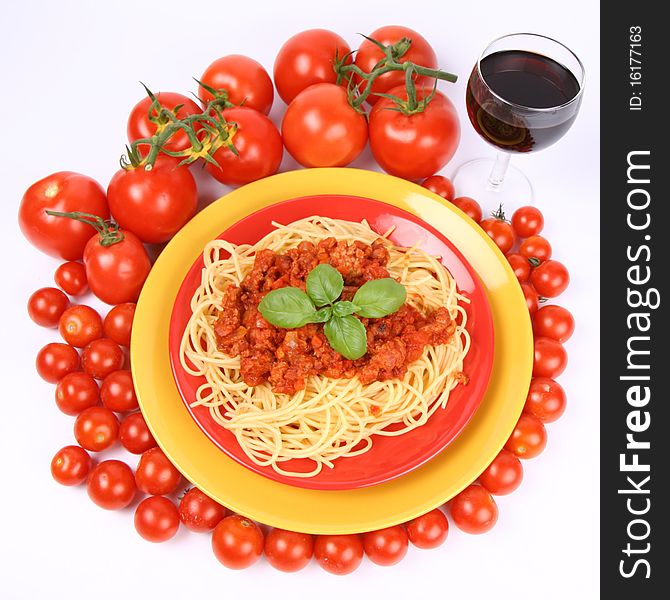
(344, 308)
(321, 315)
(287, 307)
(324, 284)
(379, 297)
(346, 335)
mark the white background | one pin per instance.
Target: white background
(70, 73)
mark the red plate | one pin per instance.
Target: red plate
(389, 457)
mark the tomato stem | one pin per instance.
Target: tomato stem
(109, 231)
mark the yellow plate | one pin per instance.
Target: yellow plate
(318, 511)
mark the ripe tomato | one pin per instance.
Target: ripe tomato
(71, 465)
(386, 546)
(155, 474)
(111, 485)
(528, 438)
(419, 52)
(96, 428)
(429, 530)
(307, 58)
(154, 204)
(440, 185)
(102, 357)
(500, 231)
(555, 322)
(550, 279)
(198, 512)
(245, 80)
(321, 129)
(474, 510)
(288, 551)
(63, 192)
(258, 145)
(550, 358)
(71, 278)
(118, 323)
(76, 392)
(535, 247)
(339, 554)
(503, 475)
(134, 434)
(520, 266)
(140, 126)
(46, 305)
(116, 273)
(237, 542)
(117, 392)
(527, 221)
(532, 299)
(54, 361)
(545, 400)
(414, 146)
(469, 206)
(79, 325)
(156, 519)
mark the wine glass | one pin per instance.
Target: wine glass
(524, 93)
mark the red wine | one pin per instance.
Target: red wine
(503, 101)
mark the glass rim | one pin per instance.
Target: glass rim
(580, 80)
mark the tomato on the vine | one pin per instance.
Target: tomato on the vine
(118, 323)
(198, 512)
(503, 475)
(71, 465)
(237, 542)
(134, 434)
(429, 530)
(535, 247)
(550, 279)
(339, 554)
(102, 357)
(528, 438)
(440, 185)
(469, 206)
(527, 221)
(321, 129)
(46, 305)
(545, 400)
(156, 519)
(76, 392)
(555, 322)
(520, 266)
(386, 546)
(500, 231)
(155, 474)
(417, 144)
(474, 510)
(308, 58)
(111, 485)
(288, 551)
(79, 325)
(96, 428)
(71, 278)
(117, 392)
(54, 361)
(550, 358)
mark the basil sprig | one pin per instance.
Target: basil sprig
(290, 307)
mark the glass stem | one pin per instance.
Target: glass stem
(499, 169)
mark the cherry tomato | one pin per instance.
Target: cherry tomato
(46, 305)
(237, 542)
(527, 221)
(528, 438)
(111, 485)
(79, 325)
(339, 554)
(554, 322)
(54, 361)
(535, 247)
(258, 145)
(440, 185)
(550, 358)
(119, 322)
(369, 54)
(246, 82)
(102, 357)
(429, 530)
(155, 204)
(156, 519)
(308, 58)
(198, 512)
(386, 546)
(520, 266)
(155, 474)
(545, 400)
(288, 551)
(141, 127)
(71, 278)
(76, 392)
(116, 273)
(71, 465)
(469, 206)
(550, 279)
(532, 299)
(500, 231)
(117, 392)
(416, 145)
(503, 475)
(321, 129)
(62, 192)
(474, 510)
(96, 428)
(134, 434)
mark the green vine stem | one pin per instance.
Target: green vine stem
(108, 230)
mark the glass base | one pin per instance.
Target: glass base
(472, 179)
